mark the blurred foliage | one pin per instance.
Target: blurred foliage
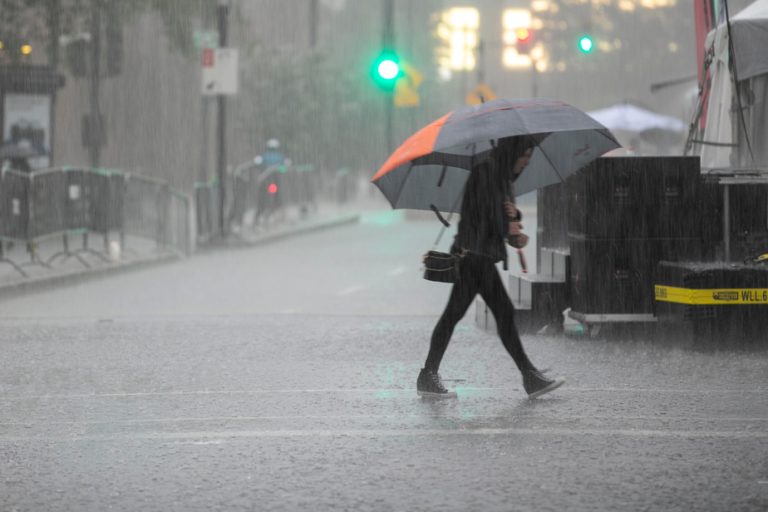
(324, 98)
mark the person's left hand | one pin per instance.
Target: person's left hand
(510, 209)
(515, 228)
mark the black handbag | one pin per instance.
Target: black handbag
(441, 267)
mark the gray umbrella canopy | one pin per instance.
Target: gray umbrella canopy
(430, 168)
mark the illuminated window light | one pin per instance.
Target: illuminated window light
(510, 58)
(462, 17)
(627, 5)
(516, 18)
(458, 31)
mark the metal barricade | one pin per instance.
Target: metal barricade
(67, 201)
(145, 208)
(14, 205)
(206, 209)
(47, 206)
(109, 196)
(14, 212)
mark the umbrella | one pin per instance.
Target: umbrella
(630, 118)
(628, 121)
(429, 170)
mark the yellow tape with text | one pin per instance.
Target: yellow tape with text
(711, 296)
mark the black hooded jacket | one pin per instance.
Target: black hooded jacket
(483, 225)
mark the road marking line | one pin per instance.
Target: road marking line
(349, 290)
(246, 434)
(561, 391)
(29, 424)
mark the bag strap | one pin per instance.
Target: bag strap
(447, 223)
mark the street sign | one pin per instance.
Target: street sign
(406, 94)
(220, 68)
(480, 94)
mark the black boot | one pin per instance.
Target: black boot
(536, 384)
(429, 385)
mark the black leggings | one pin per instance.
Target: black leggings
(477, 275)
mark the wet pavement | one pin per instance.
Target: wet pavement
(281, 377)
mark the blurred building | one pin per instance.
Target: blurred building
(304, 74)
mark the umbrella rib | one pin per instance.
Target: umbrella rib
(442, 175)
(554, 168)
(602, 132)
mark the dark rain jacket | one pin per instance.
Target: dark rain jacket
(483, 225)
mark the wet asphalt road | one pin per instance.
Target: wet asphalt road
(263, 379)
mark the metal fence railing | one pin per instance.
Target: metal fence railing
(78, 201)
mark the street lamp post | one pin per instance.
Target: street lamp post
(221, 163)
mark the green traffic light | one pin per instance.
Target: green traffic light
(586, 45)
(386, 70)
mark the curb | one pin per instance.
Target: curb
(39, 283)
(239, 242)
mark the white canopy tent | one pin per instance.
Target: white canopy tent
(724, 141)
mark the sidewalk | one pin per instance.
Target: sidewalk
(52, 267)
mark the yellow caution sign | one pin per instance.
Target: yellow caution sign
(712, 296)
(406, 94)
(480, 94)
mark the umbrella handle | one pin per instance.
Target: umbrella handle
(523, 263)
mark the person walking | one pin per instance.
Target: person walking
(489, 218)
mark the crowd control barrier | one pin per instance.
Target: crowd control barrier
(70, 202)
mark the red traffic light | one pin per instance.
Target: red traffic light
(523, 35)
(272, 188)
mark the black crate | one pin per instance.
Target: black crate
(636, 197)
(552, 216)
(616, 276)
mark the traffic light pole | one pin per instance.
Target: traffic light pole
(221, 160)
(95, 134)
(388, 43)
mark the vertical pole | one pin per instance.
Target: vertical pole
(54, 22)
(480, 62)
(95, 128)
(223, 15)
(207, 16)
(313, 19)
(534, 80)
(388, 43)
(727, 222)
